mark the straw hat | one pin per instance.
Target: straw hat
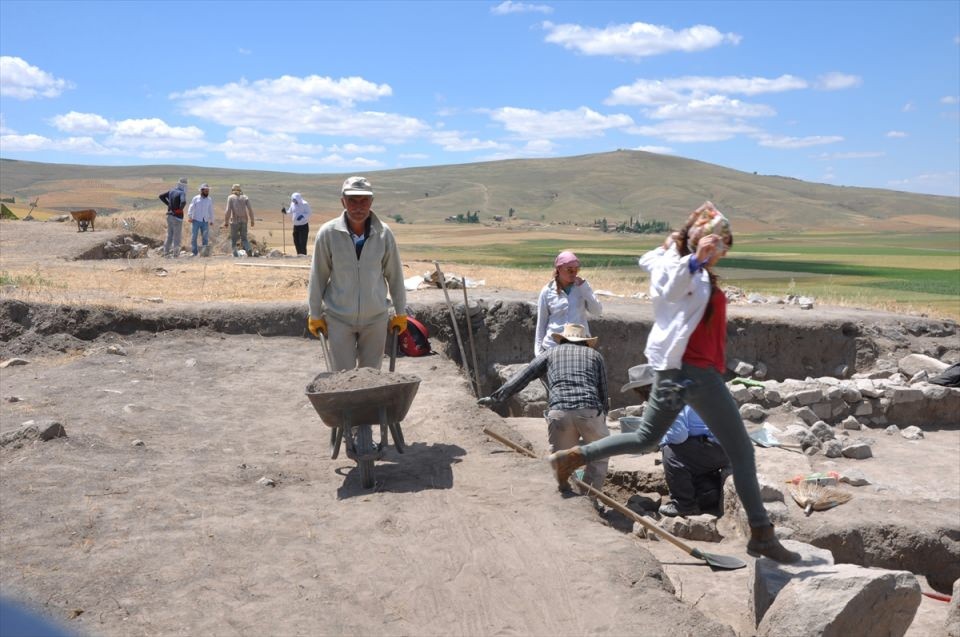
(574, 333)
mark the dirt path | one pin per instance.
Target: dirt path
(177, 536)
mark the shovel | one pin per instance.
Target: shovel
(727, 562)
(764, 438)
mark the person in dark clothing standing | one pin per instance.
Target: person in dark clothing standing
(175, 200)
(576, 379)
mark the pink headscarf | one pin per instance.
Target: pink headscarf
(564, 258)
(709, 221)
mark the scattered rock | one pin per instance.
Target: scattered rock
(768, 578)
(806, 415)
(11, 362)
(43, 430)
(752, 411)
(858, 451)
(137, 443)
(190, 362)
(833, 448)
(914, 363)
(700, 528)
(117, 349)
(13, 399)
(854, 477)
(822, 431)
(912, 433)
(266, 482)
(851, 424)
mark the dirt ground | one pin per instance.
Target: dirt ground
(179, 536)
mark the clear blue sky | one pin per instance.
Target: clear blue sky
(846, 93)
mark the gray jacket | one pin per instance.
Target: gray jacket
(350, 289)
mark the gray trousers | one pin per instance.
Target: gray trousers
(238, 230)
(566, 428)
(171, 247)
(353, 346)
(710, 398)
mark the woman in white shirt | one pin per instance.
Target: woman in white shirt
(566, 299)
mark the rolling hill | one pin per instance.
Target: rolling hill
(615, 185)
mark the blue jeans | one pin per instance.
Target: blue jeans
(202, 227)
(710, 398)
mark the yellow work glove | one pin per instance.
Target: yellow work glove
(316, 326)
(398, 322)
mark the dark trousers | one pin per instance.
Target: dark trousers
(300, 234)
(694, 470)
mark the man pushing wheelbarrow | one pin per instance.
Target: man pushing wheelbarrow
(355, 263)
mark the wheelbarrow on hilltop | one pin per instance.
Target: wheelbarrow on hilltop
(352, 413)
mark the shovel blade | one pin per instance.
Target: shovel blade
(727, 562)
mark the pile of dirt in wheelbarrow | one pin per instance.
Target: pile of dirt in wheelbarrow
(362, 378)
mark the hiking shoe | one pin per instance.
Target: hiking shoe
(671, 510)
(564, 462)
(764, 542)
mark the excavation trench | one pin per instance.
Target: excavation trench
(503, 333)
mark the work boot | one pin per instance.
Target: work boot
(764, 542)
(671, 510)
(564, 462)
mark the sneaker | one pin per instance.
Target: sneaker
(564, 462)
(764, 542)
(671, 510)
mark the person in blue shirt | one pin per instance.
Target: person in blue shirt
(694, 465)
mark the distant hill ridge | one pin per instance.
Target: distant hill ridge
(615, 185)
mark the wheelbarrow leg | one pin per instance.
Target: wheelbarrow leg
(397, 433)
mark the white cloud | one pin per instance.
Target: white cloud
(850, 155)
(660, 150)
(23, 81)
(944, 183)
(247, 144)
(896, 134)
(686, 131)
(509, 6)
(837, 81)
(713, 106)
(678, 89)
(243, 51)
(74, 122)
(35, 143)
(301, 105)
(31, 142)
(582, 122)
(908, 107)
(776, 141)
(949, 99)
(154, 134)
(452, 141)
(636, 40)
(3, 127)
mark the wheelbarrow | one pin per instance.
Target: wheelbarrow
(351, 415)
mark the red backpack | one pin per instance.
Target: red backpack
(414, 341)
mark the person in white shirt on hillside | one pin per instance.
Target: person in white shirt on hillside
(566, 299)
(200, 215)
(299, 211)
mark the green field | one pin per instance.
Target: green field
(902, 272)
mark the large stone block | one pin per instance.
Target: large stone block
(842, 600)
(767, 578)
(913, 363)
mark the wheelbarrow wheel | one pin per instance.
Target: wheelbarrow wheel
(364, 443)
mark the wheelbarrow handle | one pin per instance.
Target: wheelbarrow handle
(394, 337)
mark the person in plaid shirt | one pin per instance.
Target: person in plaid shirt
(576, 378)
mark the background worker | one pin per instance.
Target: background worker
(236, 216)
(565, 299)
(355, 262)
(175, 200)
(200, 215)
(694, 463)
(299, 212)
(576, 379)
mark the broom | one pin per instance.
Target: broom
(813, 495)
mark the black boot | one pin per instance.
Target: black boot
(763, 541)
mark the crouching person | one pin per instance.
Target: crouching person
(576, 379)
